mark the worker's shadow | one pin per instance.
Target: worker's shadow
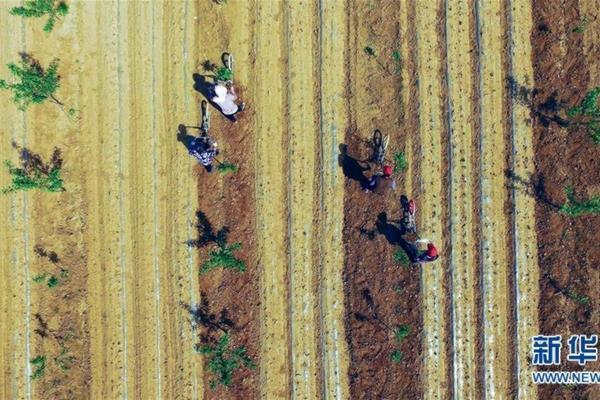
(183, 137)
(352, 168)
(207, 89)
(394, 234)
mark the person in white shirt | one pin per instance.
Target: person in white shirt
(225, 100)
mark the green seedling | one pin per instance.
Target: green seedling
(587, 113)
(52, 281)
(226, 167)
(582, 25)
(223, 257)
(224, 74)
(396, 356)
(397, 58)
(574, 208)
(579, 298)
(401, 258)
(40, 367)
(400, 163)
(223, 361)
(39, 8)
(64, 360)
(40, 278)
(401, 333)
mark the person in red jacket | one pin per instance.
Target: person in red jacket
(429, 255)
(381, 182)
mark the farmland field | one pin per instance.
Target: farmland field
(474, 94)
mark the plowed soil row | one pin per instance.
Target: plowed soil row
(228, 201)
(380, 295)
(565, 69)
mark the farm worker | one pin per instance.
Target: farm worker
(429, 255)
(204, 150)
(381, 182)
(225, 100)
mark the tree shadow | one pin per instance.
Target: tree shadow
(351, 167)
(373, 310)
(394, 234)
(40, 251)
(210, 322)
(535, 187)
(206, 232)
(547, 111)
(32, 162)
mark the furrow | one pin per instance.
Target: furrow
(178, 358)
(334, 122)
(190, 286)
(462, 219)
(525, 237)
(271, 199)
(100, 134)
(303, 139)
(431, 126)
(495, 247)
(13, 351)
(138, 192)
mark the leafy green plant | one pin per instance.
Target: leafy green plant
(223, 257)
(401, 333)
(52, 281)
(400, 163)
(40, 367)
(224, 74)
(579, 298)
(401, 258)
(370, 51)
(64, 360)
(39, 8)
(397, 58)
(587, 113)
(396, 356)
(582, 25)
(33, 177)
(575, 208)
(33, 83)
(226, 167)
(223, 361)
(40, 278)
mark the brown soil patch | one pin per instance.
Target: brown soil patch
(228, 201)
(380, 294)
(565, 156)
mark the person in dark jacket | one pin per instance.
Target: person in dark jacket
(204, 150)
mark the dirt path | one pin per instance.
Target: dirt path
(303, 145)
(525, 238)
(459, 24)
(431, 223)
(270, 106)
(14, 262)
(333, 125)
(495, 247)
